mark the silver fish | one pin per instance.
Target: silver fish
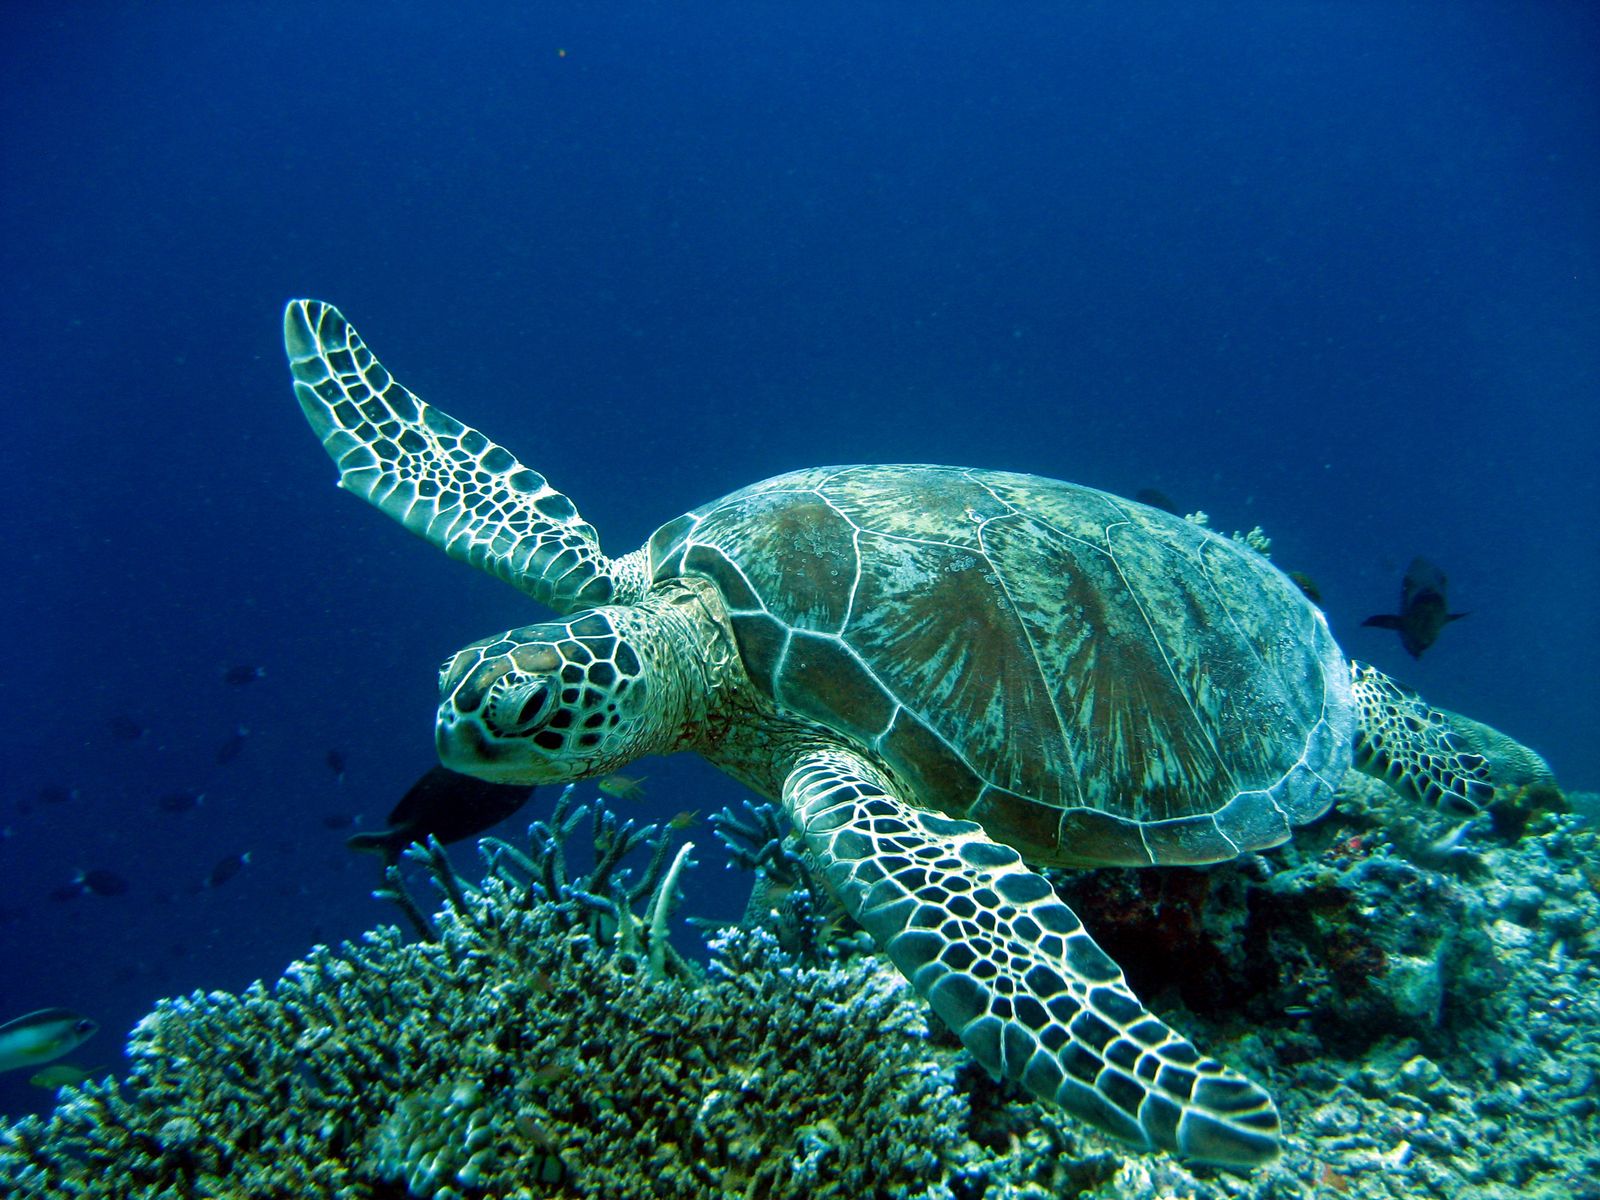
(40, 1036)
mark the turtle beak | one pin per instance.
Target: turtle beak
(463, 746)
(466, 743)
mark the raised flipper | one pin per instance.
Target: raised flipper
(441, 479)
(1413, 747)
(1009, 967)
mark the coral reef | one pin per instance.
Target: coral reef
(786, 898)
(540, 1046)
(1423, 998)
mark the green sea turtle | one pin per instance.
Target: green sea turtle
(941, 673)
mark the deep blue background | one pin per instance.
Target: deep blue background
(1330, 268)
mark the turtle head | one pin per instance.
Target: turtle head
(547, 703)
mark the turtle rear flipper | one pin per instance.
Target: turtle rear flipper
(1012, 971)
(441, 479)
(1413, 747)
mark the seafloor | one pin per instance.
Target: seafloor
(1420, 995)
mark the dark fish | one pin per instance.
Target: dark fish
(335, 761)
(1156, 498)
(1307, 585)
(125, 729)
(1424, 611)
(229, 750)
(240, 675)
(54, 793)
(446, 804)
(102, 882)
(338, 821)
(227, 869)
(68, 891)
(177, 802)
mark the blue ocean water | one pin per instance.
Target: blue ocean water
(1329, 269)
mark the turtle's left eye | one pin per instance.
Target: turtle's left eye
(523, 708)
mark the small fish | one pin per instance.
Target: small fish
(1450, 851)
(227, 868)
(1307, 585)
(546, 1168)
(622, 787)
(1156, 498)
(239, 676)
(446, 804)
(63, 1075)
(548, 1074)
(1450, 841)
(231, 749)
(177, 802)
(338, 821)
(54, 793)
(38, 1037)
(125, 729)
(101, 882)
(687, 819)
(335, 761)
(1424, 611)
(542, 983)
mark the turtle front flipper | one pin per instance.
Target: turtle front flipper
(441, 479)
(1413, 747)
(1009, 967)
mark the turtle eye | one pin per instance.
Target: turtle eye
(524, 708)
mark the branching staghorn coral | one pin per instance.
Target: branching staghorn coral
(762, 839)
(786, 897)
(533, 1049)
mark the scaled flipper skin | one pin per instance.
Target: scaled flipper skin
(443, 480)
(1011, 969)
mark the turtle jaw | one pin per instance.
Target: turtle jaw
(464, 745)
(498, 698)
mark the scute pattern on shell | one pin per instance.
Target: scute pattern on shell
(1093, 680)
